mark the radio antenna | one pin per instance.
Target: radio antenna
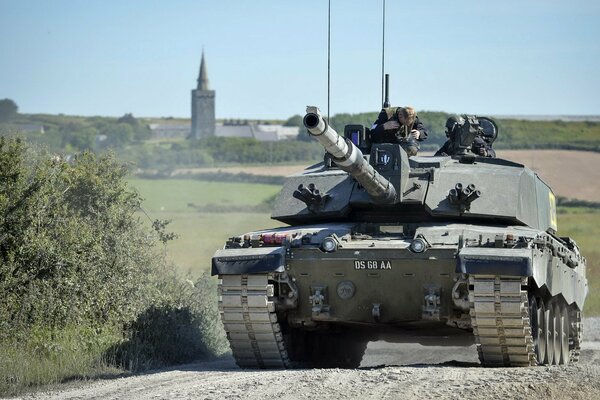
(383, 55)
(328, 58)
(386, 102)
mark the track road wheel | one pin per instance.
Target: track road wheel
(540, 345)
(534, 322)
(555, 332)
(549, 331)
(563, 333)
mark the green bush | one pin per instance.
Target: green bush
(71, 248)
(81, 275)
(184, 329)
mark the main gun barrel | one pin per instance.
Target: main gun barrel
(349, 157)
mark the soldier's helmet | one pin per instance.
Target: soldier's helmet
(489, 129)
(452, 123)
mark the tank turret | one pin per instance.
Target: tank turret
(348, 157)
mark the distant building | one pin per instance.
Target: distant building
(169, 131)
(268, 133)
(203, 106)
(204, 124)
(260, 132)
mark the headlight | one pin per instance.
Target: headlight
(329, 244)
(418, 245)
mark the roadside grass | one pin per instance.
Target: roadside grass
(182, 327)
(46, 356)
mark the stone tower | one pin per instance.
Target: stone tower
(203, 106)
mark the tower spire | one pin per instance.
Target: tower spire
(203, 76)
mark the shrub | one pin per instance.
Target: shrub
(84, 285)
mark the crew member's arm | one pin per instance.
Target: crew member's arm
(384, 129)
(381, 118)
(444, 150)
(418, 126)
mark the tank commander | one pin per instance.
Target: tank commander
(399, 125)
(481, 146)
(452, 123)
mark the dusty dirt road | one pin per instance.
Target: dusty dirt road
(388, 371)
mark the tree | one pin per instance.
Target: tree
(140, 131)
(8, 109)
(118, 133)
(129, 119)
(295, 120)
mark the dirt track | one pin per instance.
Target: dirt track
(388, 371)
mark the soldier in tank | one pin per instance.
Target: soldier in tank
(481, 146)
(452, 123)
(399, 125)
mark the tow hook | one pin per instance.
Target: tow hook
(376, 311)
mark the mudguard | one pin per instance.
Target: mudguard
(248, 261)
(504, 262)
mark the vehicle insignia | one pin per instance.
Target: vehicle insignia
(373, 264)
(383, 158)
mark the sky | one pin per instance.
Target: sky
(267, 59)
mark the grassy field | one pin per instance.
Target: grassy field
(175, 195)
(200, 234)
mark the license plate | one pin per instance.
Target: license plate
(373, 264)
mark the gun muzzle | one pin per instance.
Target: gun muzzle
(319, 129)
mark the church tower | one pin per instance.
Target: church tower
(203, 106)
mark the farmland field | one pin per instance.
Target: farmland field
(176, 195)
(200, 234)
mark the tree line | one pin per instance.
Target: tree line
(130, 138)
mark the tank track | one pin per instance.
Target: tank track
(500, 320)
(249, 318)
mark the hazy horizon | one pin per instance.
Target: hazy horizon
(548, 117)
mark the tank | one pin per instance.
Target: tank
(455, 250)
